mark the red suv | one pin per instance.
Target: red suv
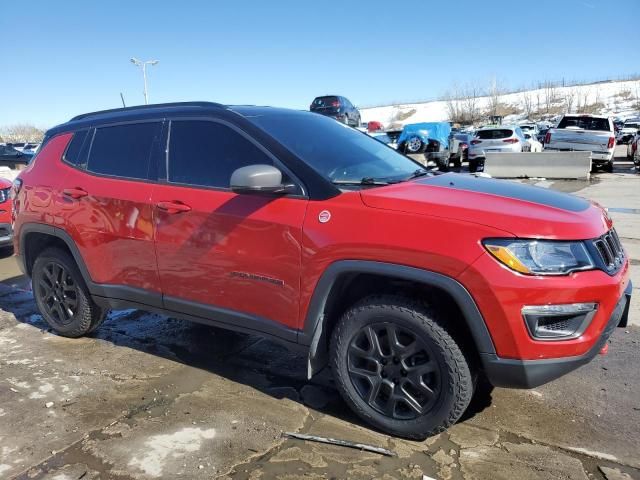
(409, 284)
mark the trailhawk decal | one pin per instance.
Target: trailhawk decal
(503, 188)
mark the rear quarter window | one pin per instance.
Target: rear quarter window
(75, 148)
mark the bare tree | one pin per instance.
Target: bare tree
(470, 103)
(527, 103)
(495, 91)
(453, 104)
(549, 95)
(569, 99)
(21, 132)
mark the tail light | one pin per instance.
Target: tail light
(510, 140)
(612, 142)
(475, 142)
(547, 138)
(464, 146)
(335, 103)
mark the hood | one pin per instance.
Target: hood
(520, 210)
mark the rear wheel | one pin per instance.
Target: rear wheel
(414, 145)
(608, 167)
(398, 368)
(62, 296)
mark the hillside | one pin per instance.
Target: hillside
(619, 99)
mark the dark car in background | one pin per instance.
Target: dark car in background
(337, 107)
(10, 157)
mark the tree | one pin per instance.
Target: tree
(527, 103)
(495, 91)
(22, 132)
(549, 95)
(569, 99)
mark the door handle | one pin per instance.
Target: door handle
(75, 192)
(173, 207)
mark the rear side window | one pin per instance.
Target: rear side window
(124, 150)
(494, 134)
(73, 153)
(585, 123)
(207, 153)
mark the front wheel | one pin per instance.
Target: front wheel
(62, 296)
(398, 368)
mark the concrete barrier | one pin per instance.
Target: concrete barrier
(544, 164)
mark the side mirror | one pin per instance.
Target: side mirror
(265, 179)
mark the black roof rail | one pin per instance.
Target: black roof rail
(152, 106)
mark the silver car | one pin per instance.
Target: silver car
(494, 139)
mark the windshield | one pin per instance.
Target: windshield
(337, 152)
(585, 123)
(632, 125)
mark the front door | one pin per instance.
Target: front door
(234, 258)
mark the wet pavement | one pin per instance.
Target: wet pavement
(149, 397)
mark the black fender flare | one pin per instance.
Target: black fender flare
(96, 289)
(314, 334)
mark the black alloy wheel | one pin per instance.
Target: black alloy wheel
(393, 371)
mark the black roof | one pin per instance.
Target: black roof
(141, 112)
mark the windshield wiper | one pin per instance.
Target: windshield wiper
(421, 172)
(362, 181)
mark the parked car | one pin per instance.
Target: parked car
(494, 139)
(458, 148)
(6, 232)
(636, 154)
(628, 131)
(430, 138)
(12, 158)
(30, 148)
(541, 135)
(591, 133)
(632, 146)
(374, 126)
(531, 144)
(410, 284)
(336, 107)
(530, 128)
(19, 146)
(384, 138)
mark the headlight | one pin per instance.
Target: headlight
(540, 257)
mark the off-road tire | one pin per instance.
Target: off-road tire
(456, 378)
(87, 316)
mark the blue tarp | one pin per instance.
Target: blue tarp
(439, 131)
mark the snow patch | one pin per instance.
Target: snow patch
(159, 447)
(593, 453)
(4, 467)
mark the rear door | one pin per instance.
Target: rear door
(234, 258)
(108, 207)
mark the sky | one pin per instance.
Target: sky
(68, 57)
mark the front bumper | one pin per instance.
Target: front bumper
(6, 234)
(510, 373)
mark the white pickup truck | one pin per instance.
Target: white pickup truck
(591, 133)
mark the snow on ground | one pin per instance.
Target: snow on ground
(610, 94)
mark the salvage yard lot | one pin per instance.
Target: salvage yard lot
(151, 397)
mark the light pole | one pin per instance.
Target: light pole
(139, 63)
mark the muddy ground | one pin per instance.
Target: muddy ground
(150, 397)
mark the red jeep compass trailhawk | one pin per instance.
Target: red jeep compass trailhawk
(409, 284)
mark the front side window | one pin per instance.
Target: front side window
(205, 153)
(124, 150)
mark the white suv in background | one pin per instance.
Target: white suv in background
(494, 139)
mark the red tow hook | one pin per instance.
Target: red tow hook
(604, 350)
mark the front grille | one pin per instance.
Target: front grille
(610, 250)
(4, 194)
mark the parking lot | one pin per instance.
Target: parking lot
(151, 397)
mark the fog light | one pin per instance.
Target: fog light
(558, 322)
